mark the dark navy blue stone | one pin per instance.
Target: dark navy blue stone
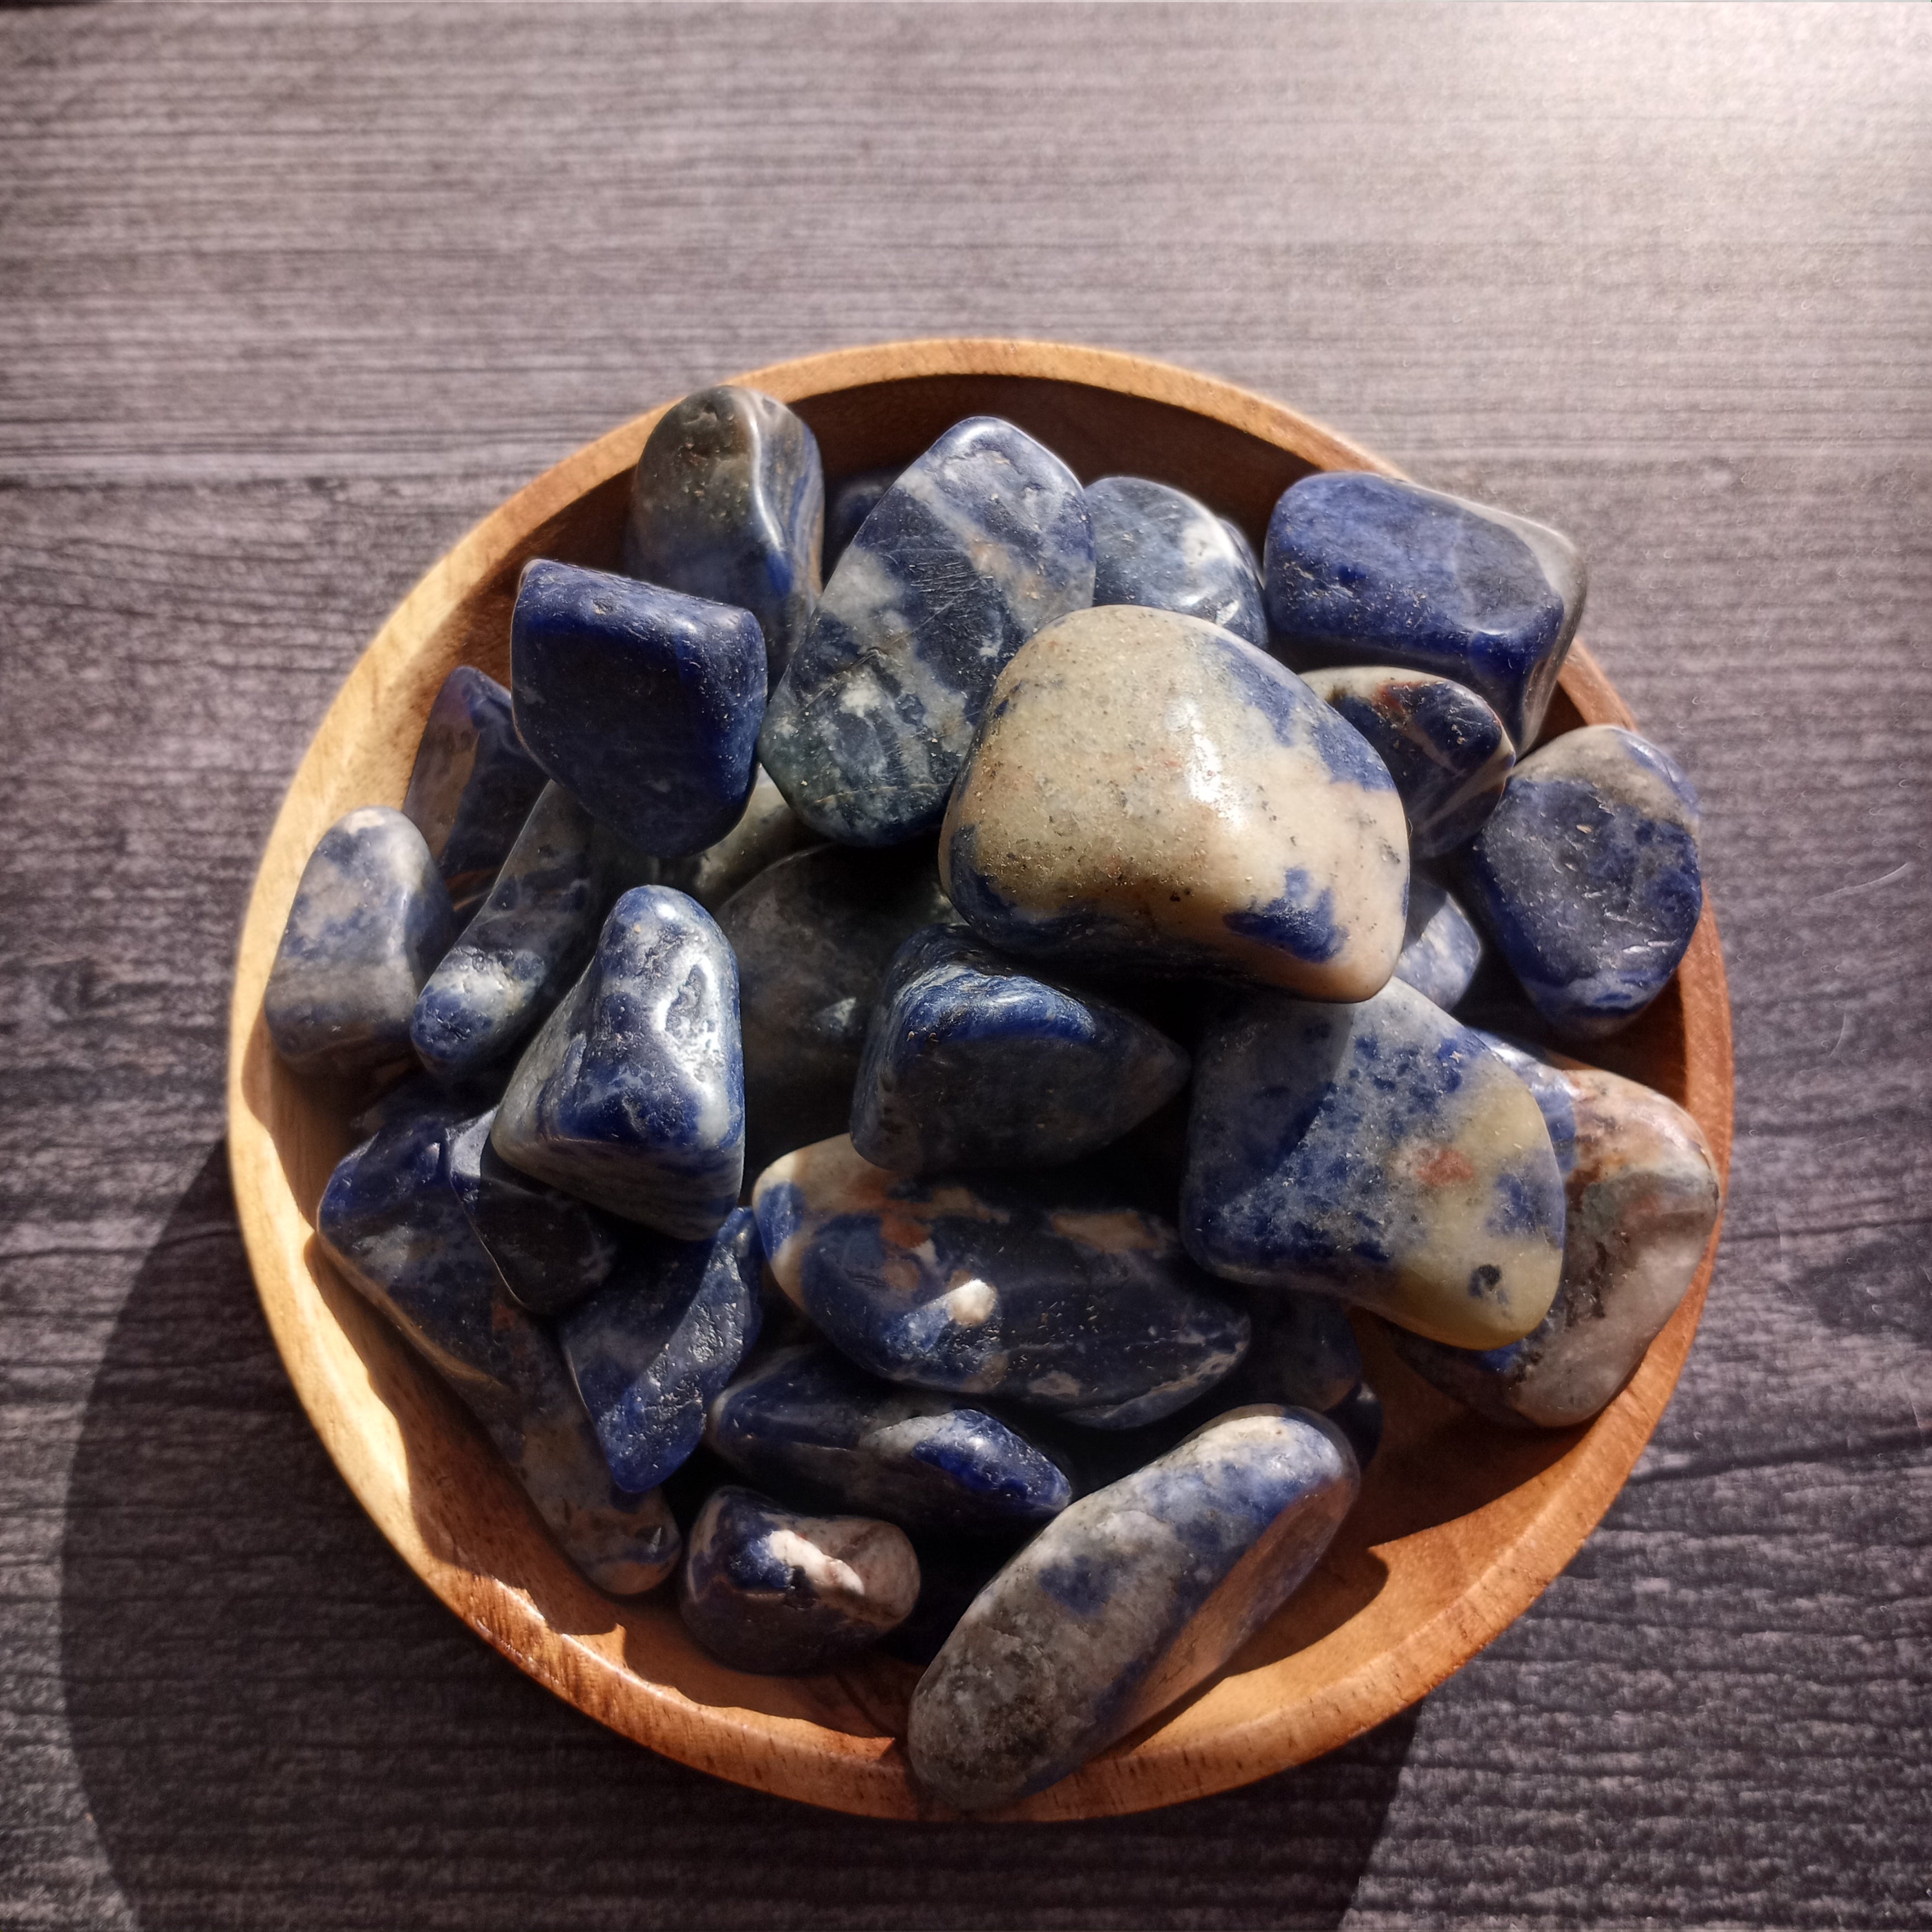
(1441, 947)
(632, 1096)
(979, 543)
(1162, 547)
(728, 502)
(806, 1423)
(644, 702)
(849, 502)
(972, 1062)
(1362, 569)
(371, 918)
(659, 1340)
(1305, 1354)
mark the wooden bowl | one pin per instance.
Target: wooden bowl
(1460, 1525)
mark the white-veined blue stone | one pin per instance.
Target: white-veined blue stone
(1162, 547)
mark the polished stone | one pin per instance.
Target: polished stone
(982, 541)
(1149, 793)
(1305, 1354)
(768, 831)
(848, 503)
(1441, 947)
(1162, 547)
(1550, 1089)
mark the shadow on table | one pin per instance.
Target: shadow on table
(274, 1725)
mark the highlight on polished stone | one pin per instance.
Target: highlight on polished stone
(1441, 947)
(1163, 548)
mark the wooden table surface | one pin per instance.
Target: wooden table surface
(288, 298)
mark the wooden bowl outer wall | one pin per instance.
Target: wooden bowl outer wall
(1460, 1527)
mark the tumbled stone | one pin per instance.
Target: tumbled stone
(1042, 1293)
(1587, 877)
(644, 702)
(1126, 1601)
(1444, 746)
(391, 1222)
(371, 918)
(1363, 569)
(1548, 1088)
(727, 502)
(1378, 1152)
(806, 1421)
(632, 1094)
(1643, 1195)
(769, 831)
(652, 1347)
(848, 503)
(981, 541)
(764, 1588)
(1305, 1354)
(1162, 547)
(1148, 793)
(1441, 947)
(971, 1062)
(472, 785)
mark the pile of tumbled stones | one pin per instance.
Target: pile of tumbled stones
(1057, 922)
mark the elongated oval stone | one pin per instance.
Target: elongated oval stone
(1363, 569)
(768, 831)
(644, 702)
(632, 1095)
(1148, 793)
(766, 1589)
(1126, 1601)
(370, 919)
(806, 1420)
(1587, 877)
(978, 544)
(728, 502)
(1441, 947)
(971, 1062)
(848, 503)
(1380, 1152)
(1162, 547)
(1032, 1294)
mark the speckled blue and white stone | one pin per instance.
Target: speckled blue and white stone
(768, 831)
(1032, 1293)
(1162, 547)
(371, 918)
(979, 543)
(1149, 793)
(1444, 746)
(764, 1588)
(644, 702)
(1643, 1195)
(472, 785)
(1362, 569)
(971, 1062)
(522, 950)
(1441, 947)
(1379, 1152)
(632, 1095)
(652, 1347)
(805, 1420)
(1125, 1602)
(728, 502)
(848, 503)
(391, 1222)
(1550, 1089)
(1587, 878)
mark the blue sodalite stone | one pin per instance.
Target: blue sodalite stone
(1362, 569)
(768, 831)
(849, 502)
(472, 785)
(391, 1222)
(1165, 549)
(1379, 1152)
(1305, 1354)
(1643, 1197)
(1441, 948)
(633, 1094)
(813, 935)
(1148, 793)
(1444, 746)
(1043, 1294)
(522, 950)
(1125, 1602)
(728, 502)
(806, 1422)
(1587, 877)
(1548, 1088)
(552, 1250)
(371, 918)
(970, 1062)
(659, 1340)
(980, 542)
(766, 1589)
(644, 702)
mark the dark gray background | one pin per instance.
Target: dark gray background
(290, 297)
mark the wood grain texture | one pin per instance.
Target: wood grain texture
(291, 299)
